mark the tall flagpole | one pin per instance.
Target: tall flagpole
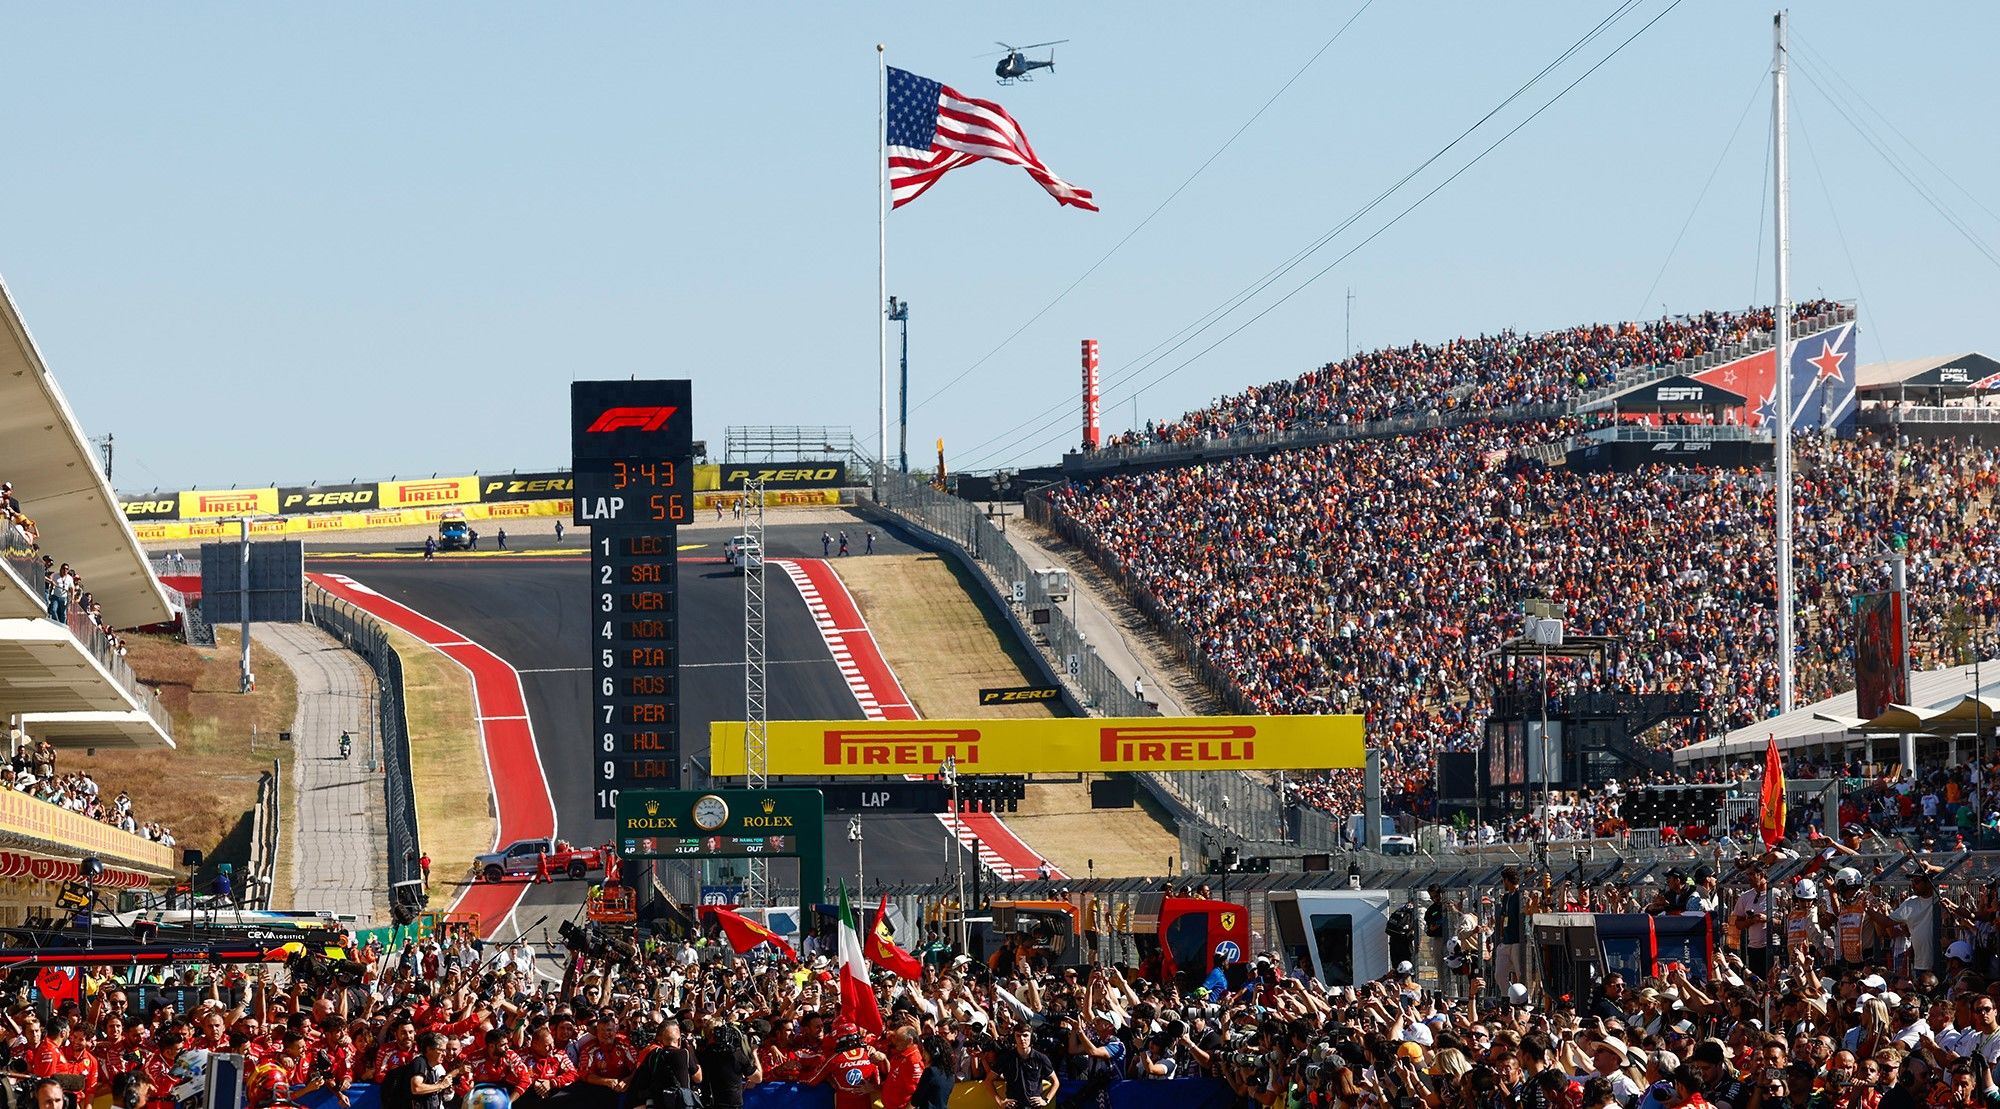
(882, 270)
(1782, 372)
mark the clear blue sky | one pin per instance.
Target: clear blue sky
(276, 243)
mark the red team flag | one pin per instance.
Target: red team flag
(883, 952)
(745, 934)
(1772, 817)
(932, 130)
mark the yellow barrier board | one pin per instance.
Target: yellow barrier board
(183, 531)
(820, 748)
(424, 491)
(207, 504)
(773, 498)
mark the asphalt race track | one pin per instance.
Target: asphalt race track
(531, 612)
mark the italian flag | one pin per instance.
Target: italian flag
(857, 996)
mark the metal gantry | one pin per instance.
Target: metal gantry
(756, 736)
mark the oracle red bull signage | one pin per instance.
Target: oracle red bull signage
(1096, 745)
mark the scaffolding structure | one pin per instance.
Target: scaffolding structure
(756, 736)
(800, 443)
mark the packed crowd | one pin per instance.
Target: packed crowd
(1476, 375)
(1825, 990)
(1380, 576)
(32, 770)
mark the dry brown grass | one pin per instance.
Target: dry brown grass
(205, 789)
(454, 805)
(942, 636)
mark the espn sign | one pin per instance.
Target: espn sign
(1067, 746)
(427, 492)
(1681, 394)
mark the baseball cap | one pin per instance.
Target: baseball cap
(1874, 983)
(1960, 950)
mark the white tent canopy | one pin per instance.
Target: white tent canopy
(1944, 702)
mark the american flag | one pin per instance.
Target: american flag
(932, 130)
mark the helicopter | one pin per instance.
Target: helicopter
(1016, 66)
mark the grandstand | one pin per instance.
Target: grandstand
(73, 573)
(1381, 575)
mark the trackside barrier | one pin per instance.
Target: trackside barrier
(365, 636)
(1177, 1093)
(1225, 808)
(265, 822)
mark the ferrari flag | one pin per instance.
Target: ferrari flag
(932, 130)
(1771, 817)
(883, 952)
(745, 934)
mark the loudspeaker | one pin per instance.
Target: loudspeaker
(191, 857)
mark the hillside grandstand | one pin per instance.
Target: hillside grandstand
(1382, 575)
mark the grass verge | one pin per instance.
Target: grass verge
(454, 805)
(206, 788)
(943, 637)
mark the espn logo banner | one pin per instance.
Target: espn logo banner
(209, 504)
(1020, 695)
(1065, 746)
(424, 492)
(547, 486)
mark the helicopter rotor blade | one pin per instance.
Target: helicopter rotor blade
(1039, 45)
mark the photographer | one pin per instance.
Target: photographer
(727, 1063)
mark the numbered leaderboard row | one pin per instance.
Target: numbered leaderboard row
(635, 664)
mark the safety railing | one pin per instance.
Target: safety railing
(365, 636)
(1236, 444)
(1876, 415)
(1649, 433)
(1234, 808)
(93, 640)
(265, 821)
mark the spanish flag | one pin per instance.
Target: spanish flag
(745, 934)
(1771, 818)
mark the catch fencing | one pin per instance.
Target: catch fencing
(365, 636)
(1215, 809)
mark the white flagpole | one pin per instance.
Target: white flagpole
(882, 270)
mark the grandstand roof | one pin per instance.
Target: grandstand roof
(1834, 721)
(1969, 372)
(54, 470)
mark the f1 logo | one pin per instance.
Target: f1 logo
(632, 417)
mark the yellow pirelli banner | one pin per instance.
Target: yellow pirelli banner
(824, 748)
(207, 504)
(422, 492)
